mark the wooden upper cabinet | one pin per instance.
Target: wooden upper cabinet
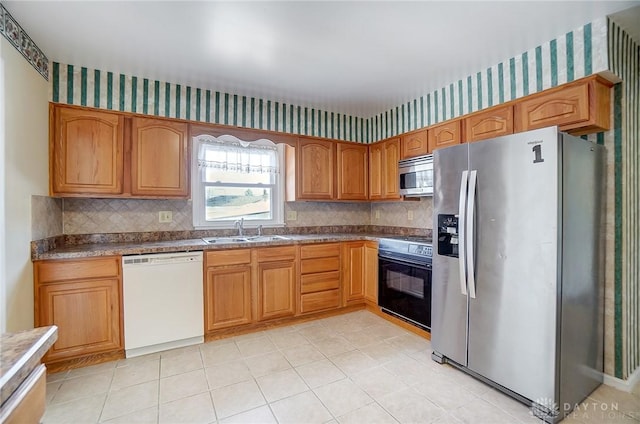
(159, 158)
(315, 169)
(579, 108)
(353, 171)
(86, 151)
(415, 144)
(445, 134)
(494, 122)
(383, 169)
(391, 185)
(376, 171)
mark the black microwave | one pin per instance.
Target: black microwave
(416, 176)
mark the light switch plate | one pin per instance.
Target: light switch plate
(292, 215)
(165, 216)
(410, 215)
(377, 214)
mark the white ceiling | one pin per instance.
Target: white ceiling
(359, 58)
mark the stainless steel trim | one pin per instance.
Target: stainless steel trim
(471, 216)
(462, 211)
(416, 162)
(416, 165)
(19, 395)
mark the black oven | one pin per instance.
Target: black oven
(404, 282)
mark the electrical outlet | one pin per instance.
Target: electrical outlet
(165, 216)
(292, 215)
(410, 215)
(377, 214)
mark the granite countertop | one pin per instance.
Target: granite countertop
(136, 248)
(20, 353)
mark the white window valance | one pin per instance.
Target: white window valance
(228, 153)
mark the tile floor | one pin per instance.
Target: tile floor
(352, 368)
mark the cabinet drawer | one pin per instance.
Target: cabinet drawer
(318, 282)
(281, 253)
(228, 257)
(320, 250)
(311, 302)
(309, 266)
(64, 270)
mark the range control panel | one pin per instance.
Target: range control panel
(421, 249)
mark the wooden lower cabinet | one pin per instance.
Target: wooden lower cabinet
(371, 272)
(227, 289)
(84, 299)
(320, 279)
(276, 274)
(228, 297)
(360, 272)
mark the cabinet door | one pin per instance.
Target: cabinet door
(491, 123)
(227, 297)
(86, 152)
(391, 183)
(415, 144)
(315, 169)
(371, 272)
(276, 289)
(353, 171)
(376, 171)
(445, 135)
(567, 106)
(354, 272)
(87, 314)
(159, 158)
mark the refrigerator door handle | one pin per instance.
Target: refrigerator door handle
(462, 213)
(473, 179)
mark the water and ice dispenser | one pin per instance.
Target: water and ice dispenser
(448, 235)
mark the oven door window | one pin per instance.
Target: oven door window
(405, 289)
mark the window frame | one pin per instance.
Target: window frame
(198, 188)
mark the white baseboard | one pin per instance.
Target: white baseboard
(624, 385)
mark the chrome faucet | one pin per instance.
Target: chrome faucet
(259, 230)
(239, 225)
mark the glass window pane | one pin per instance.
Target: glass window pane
(213, 175)
(232, 203)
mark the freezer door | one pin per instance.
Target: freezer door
(449, 299)
(512, 319)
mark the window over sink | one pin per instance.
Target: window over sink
(234, 179)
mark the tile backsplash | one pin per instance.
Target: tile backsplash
(94, 216)
(397, 214)
(88, 216)
(46, 217)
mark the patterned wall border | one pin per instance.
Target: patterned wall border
(126, 93)
(624, 61)
(578, 53)
(19, 39)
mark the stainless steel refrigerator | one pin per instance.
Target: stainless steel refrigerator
(517, 285)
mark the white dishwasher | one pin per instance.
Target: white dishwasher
(163, 301)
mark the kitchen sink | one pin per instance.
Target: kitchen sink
(238, 239)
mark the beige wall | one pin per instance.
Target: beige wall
(26, 172)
